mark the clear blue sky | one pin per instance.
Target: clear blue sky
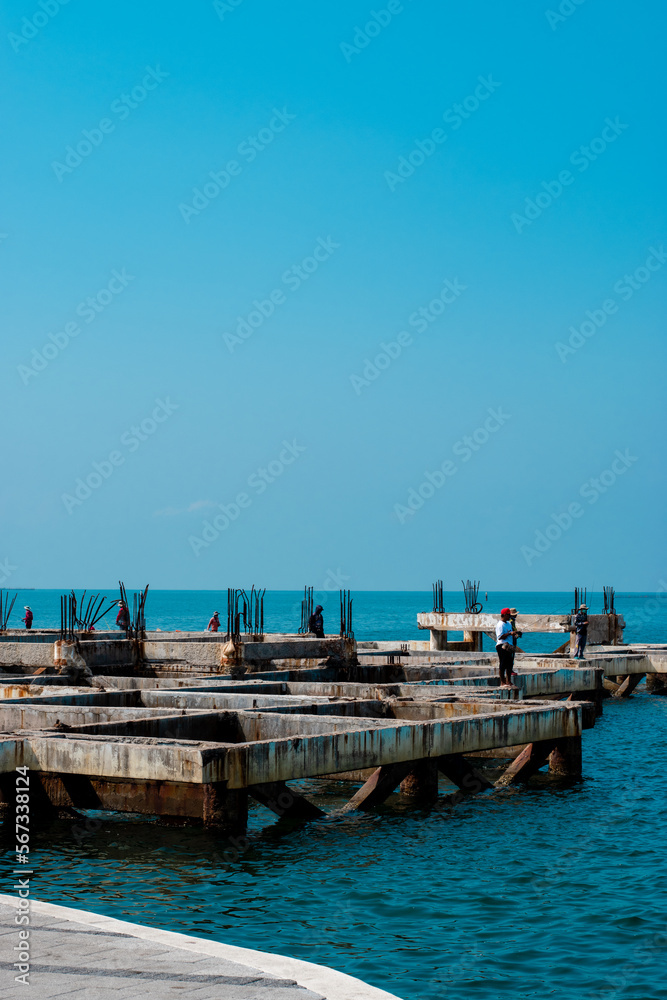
(319, 120)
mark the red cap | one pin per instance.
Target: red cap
(505, 611)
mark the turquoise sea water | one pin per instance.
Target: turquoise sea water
(554, 891)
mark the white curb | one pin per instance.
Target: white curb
(331, 984)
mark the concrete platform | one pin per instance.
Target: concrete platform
(87, 956)
(194, 748)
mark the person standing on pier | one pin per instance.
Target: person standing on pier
(581, 631)
(516, 634)
(316, 623)
(28, 616)
(505, 647)
(123, 617)
(214, 623)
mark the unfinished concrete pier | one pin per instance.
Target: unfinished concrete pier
(187, 727)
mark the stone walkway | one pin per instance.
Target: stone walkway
(78, 955)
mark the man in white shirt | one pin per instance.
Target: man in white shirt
(505, 647)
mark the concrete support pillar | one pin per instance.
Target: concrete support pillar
(656, 683)
(438, 639)
(476, 639)
(565, 758)
(42, 809)
(596, 695)
(422, 781)
(225, 809)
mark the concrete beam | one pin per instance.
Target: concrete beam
(287, 747)
(284, 801)
(462, 774)
(527, 763)
(601, 628)
(627, 686)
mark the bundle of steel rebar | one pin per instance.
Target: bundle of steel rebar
(68, 620)
(248, 608)
(438, 605)
(6, 609)
(139, 615)
(470, 591)
(346, 629)
(579, 598)
(306, 609)
(608, 594)
(85, 616)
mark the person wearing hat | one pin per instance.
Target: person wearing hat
(28, 616)
(517, 634)
(214, 623)
(505, 647)
(581, 631)
(123, 617)
(316, 623)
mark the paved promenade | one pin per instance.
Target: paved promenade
(77, 955)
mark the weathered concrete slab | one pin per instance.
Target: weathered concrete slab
(601, 628)
(286, 747)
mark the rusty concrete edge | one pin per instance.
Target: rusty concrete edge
(330, 983)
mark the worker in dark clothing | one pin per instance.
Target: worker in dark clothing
(581, 631)
(505, 647)
(123, 617)
(28, 616)
(516, 634)
(316, 623)
(214, 623)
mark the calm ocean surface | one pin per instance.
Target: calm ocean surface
(557, 891)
